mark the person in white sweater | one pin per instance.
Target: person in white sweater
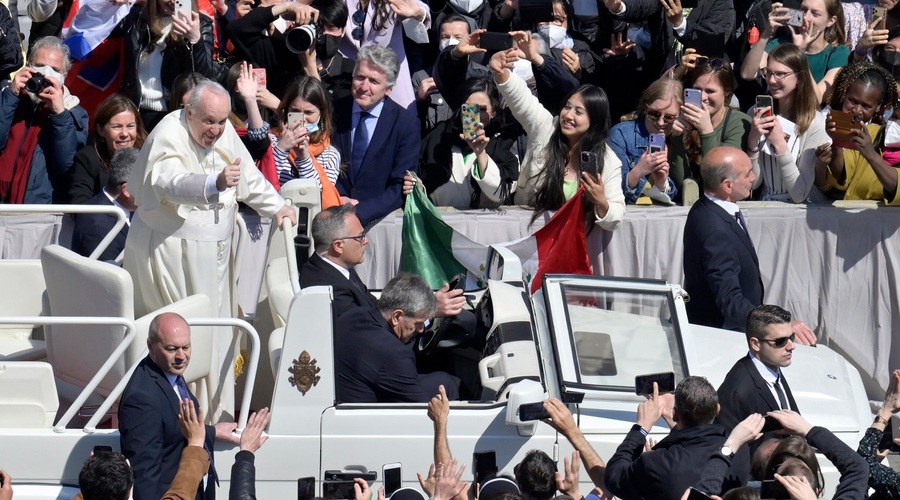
(550, 172)
(784, 161)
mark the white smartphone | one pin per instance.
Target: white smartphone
(294, 117)
(393, 480)
(183, 7)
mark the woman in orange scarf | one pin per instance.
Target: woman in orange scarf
(304, 148)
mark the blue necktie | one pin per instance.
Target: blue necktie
(183, 393)
(741, 222)
(360, 144)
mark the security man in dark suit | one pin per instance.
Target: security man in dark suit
(378, 139)
(148, 412)
(90, 229)
(373, 362)
(756, 383)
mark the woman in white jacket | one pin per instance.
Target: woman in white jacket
(551, 170)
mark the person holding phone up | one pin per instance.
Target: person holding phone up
(551, 170)
(643, 162)
(303, 148)
(867, 170)
(817, 29)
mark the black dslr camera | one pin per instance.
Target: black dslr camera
(37, 83)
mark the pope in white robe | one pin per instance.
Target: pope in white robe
(189, 177)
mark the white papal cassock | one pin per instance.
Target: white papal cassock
(180, 241)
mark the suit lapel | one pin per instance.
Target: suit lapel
(761, 386)
(163, 383)
(732, 223)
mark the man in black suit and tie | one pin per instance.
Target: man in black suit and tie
(373, 362)
(721, 269)
(377, 138)
(148, 412)
(756, 384)
(90, 229)
(340, 244)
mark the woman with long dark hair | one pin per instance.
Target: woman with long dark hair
(477, 173)
(551, 170)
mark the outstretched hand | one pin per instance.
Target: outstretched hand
(191, 423)
(253, 437)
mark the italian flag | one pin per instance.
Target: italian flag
(560, 247)
(436, 252)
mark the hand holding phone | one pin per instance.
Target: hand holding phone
(485, 465)
(392, 478)
(657, 143)
(665, 382)
(765, 103)
(773, 489)
(533, 411)
(589, 162)
(693, 96)
(471, 117)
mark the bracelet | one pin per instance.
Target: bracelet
(880, 420)
(753, 150)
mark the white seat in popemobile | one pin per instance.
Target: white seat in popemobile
(78, 286)
(28, 396)
(21, 296)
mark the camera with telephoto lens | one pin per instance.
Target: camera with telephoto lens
(300, 38)
(37, 83)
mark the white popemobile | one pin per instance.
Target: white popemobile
(578, 338)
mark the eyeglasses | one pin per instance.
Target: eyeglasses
(360, 238)
(656, 115)
(779, 342)
(777, 75)
(359, 18)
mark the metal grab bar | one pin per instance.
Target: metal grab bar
(75, 209)
(290, 235)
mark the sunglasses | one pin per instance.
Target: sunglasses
(656, 115)
(359, 18)
(715, 64)
(779, 342)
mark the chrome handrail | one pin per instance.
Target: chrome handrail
(75, 209)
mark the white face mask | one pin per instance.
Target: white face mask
(466, 6)
(555, 35)
(522, 67)
(447, 43)
(52, 73)
(892, 135)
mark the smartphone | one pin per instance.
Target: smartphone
(588, 164)
(771, 488)
(471, 117)
(338, 490)
(533, 411)
(643, 384)
(391, 477)
(458, 281)
(699, 60)
(697, 495)
(306, 488)
(845, 123)
(693, 96)
(879, 13)
(294, 117)
(485, 465)
(336, 475)
(495, 42)
(771, 425)
(657, 143)
(259, 74)
(100, 449)
(796, 19)
(184, 7)
(765, 103)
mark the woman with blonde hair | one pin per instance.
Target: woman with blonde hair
(783, 141)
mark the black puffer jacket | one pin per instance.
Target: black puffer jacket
(243, 477)
(10, 47)
(179, 58)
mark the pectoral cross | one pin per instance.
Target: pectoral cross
(216, 207)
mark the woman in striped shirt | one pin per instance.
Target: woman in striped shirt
(303, 146)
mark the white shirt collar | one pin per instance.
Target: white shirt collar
(768, 374)
(728, 206)
(374, 111)
(345, 272)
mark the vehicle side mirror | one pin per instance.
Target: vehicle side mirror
(524, 392)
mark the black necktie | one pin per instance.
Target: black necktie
(741, 222)
(781, 399)
(183, 393)
(360, 143)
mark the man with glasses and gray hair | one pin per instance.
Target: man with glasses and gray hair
(373, 362)
(756, 383)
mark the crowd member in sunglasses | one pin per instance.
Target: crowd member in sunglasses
(755, 383)
(657, 113)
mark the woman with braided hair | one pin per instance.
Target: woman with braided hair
(867, 172)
